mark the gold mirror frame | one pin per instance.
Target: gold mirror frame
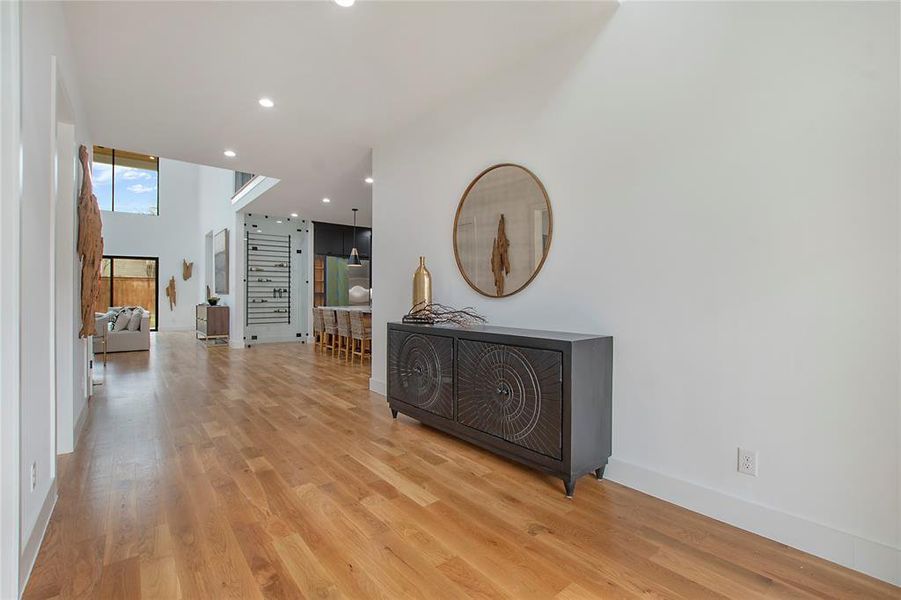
(550, 230)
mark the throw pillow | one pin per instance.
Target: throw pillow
(134, 323)
(122, 320)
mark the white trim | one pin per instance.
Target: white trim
(377, 386)
(310, 249)
(867, 556)
(263, 339)
(31, 549)
(51, 246)
(10, 225)
(65, 199)
(80, 423)
(245, 190)
(237, 249)
(255, 188)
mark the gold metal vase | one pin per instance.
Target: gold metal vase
(422, 285)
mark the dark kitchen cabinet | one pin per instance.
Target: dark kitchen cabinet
(331, 239)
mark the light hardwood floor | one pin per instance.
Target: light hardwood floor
(274, 472)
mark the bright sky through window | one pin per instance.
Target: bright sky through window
(126, 181)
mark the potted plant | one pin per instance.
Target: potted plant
(213, 300)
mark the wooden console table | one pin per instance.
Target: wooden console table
(542, 398)
(212, 322)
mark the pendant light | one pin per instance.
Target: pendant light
(354, 259)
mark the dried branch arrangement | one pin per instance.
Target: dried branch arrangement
(439, 314)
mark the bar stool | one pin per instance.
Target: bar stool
(318, 327)
(361, 331)
(330, 327)
(343, 317)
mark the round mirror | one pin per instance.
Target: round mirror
(502, 231)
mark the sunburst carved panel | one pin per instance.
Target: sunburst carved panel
(421, 371)
(511, 392)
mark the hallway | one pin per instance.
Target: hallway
(274, 472)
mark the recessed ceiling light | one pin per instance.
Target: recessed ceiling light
(369, 180)
(294, 215)
(266, 102)
(229, 153)
(345, 3)
(326, 200)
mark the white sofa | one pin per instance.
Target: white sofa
(122, 341)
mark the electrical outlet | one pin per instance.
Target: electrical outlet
(34, 475)
(747, 462)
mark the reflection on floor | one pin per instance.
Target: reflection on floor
(274, 472)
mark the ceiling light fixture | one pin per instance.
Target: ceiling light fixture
(266, 102)
(229, 153)
(369, 180)
(345, 3)
(294, 215)
(326, 200)
(354, 259)
(278, 221)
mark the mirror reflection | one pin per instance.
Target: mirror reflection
(502, 231)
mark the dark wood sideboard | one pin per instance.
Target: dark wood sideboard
(542, 398)
(212, 322)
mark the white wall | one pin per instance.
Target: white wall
(731, 172)
(172, 236)
(10, 192)
(298, 231)
(216, 187)
(44, 36)
(71, 391)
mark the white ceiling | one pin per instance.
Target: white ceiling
(182, 79)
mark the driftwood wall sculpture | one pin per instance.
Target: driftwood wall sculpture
(500, 258)
(187, 269)
(90, 245)
(170, 293)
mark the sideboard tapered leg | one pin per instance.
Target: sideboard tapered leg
(570, 485)
(599, 472)
(393, 413)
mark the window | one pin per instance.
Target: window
(130, 281)
(126, 181)
(242, 179)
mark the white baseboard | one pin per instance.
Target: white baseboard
(867, 556)
(79, 425)
(379, 387)
(276, 339)
(30, 551)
